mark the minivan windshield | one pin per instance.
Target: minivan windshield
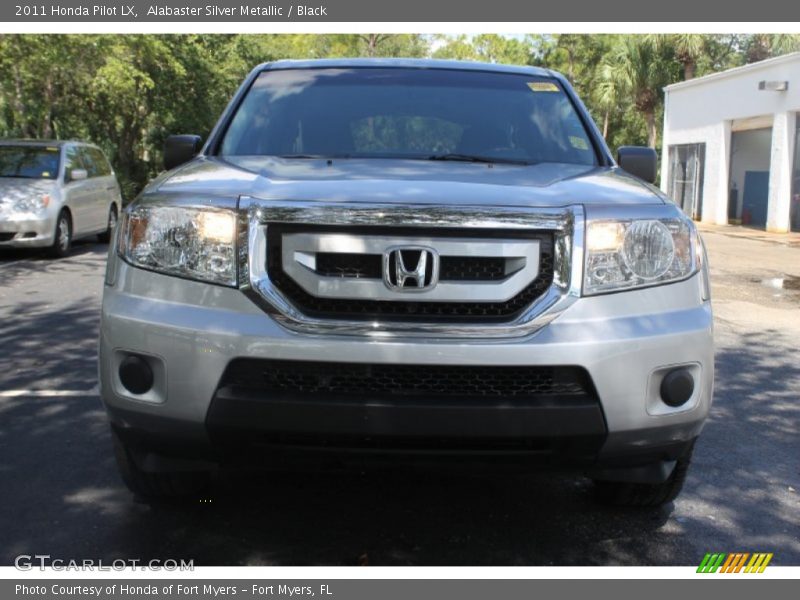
(29, 161)
(412, 113)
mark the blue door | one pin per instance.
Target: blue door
(754, 199)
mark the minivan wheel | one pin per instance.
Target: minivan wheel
(623, 493)
(62, 242)
(105, 237)
(156, 486)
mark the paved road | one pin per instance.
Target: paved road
(61, 495)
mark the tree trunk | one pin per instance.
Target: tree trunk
(688, 70)
(47, 122)
(606, 119)
(372, 41)
(652, 127)
(22, 124)
(571, 63)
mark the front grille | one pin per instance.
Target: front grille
(472, 268)
(311, 380)
(452, 268)
(332, 264)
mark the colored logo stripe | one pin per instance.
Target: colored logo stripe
(758, 563)
(710, 563)
(734, 562)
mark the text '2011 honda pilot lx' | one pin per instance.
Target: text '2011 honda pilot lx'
(401, 258)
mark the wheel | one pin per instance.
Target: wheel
(62, 243)
(623, 493)
(105, 237)
(156, 486)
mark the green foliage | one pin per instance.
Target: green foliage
(127, 93)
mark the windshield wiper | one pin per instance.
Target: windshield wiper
(319, 156)
(20, 176)
(454, 156)
(450, 156)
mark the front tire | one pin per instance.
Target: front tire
(62, 242)
(156, 486)
(623, 493)
(105, 237)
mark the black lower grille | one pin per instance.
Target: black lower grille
(412, 310)
(322, 379)
(542, 410)
(7, 237)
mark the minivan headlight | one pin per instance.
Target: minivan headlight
(35, 205)
(193, 242)
(629, 254)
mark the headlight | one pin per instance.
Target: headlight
(32, 204)
(630, 254)
(198, 243)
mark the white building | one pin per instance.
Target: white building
(731, 145)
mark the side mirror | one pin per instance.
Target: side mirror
(179, 149)
(639, 161)
(78, 174)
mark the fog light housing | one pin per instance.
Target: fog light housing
(677, 387)
(136, 375)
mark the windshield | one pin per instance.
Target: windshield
(31, 162)
(433, 114)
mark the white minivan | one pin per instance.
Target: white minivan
(54, 192)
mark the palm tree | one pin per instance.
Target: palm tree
(761, 46)
(688, 47)
(639, 68)
(605, 95)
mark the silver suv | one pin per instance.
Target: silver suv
(394, 259)
(53, 192)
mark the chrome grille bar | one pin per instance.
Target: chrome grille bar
(300, 250)
(565, 223)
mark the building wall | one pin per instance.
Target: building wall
(705, 110)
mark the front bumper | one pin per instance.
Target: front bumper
(191, 332)
(26, 231)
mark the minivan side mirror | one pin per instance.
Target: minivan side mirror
(640, 161)
(179, 149)
(78, 174)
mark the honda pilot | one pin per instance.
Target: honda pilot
(406, 259)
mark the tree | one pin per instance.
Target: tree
(762, 46)
(687, 48)
(371, 45)
(485, 47)
(454, 48)
(36, 82)
(640, 68)
(128, 93)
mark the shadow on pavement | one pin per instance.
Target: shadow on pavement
(15, 263)
(746, 472)
(43, 347)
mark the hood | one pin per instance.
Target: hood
(392, 181)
